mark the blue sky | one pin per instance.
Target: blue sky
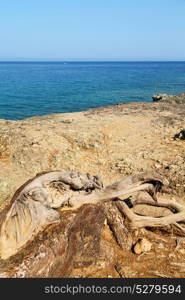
(92, 30)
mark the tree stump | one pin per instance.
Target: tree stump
(39, 239)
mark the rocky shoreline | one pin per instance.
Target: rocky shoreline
(111, 142)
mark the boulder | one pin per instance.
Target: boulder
(179, 98)
(159, 97)
(180, 135)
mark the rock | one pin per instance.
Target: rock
(180, 98)
(180, 135)
(143, 245)
(137, 248)
(158, 97)
(173, 168)
(157, 166)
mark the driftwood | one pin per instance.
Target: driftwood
(32, 207)
(32, 225)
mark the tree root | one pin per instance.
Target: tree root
(137, 221)
(34, 206)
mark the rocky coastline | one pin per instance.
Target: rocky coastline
(111, 142)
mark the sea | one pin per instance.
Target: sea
(38, 88)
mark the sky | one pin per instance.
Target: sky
(92, 30)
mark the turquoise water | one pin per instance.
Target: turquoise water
(37, 88)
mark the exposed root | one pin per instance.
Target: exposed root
(179, 227)
(34, 206)
(138, 221)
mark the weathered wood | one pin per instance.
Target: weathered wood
(138, 221)
(118, 225)
(37, 239)
(31, 209)
(146, 181)
(72, 243)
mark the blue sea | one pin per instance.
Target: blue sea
(38, 88)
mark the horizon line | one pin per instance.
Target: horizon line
(84, 60)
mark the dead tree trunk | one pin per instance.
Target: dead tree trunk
(37, 239)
